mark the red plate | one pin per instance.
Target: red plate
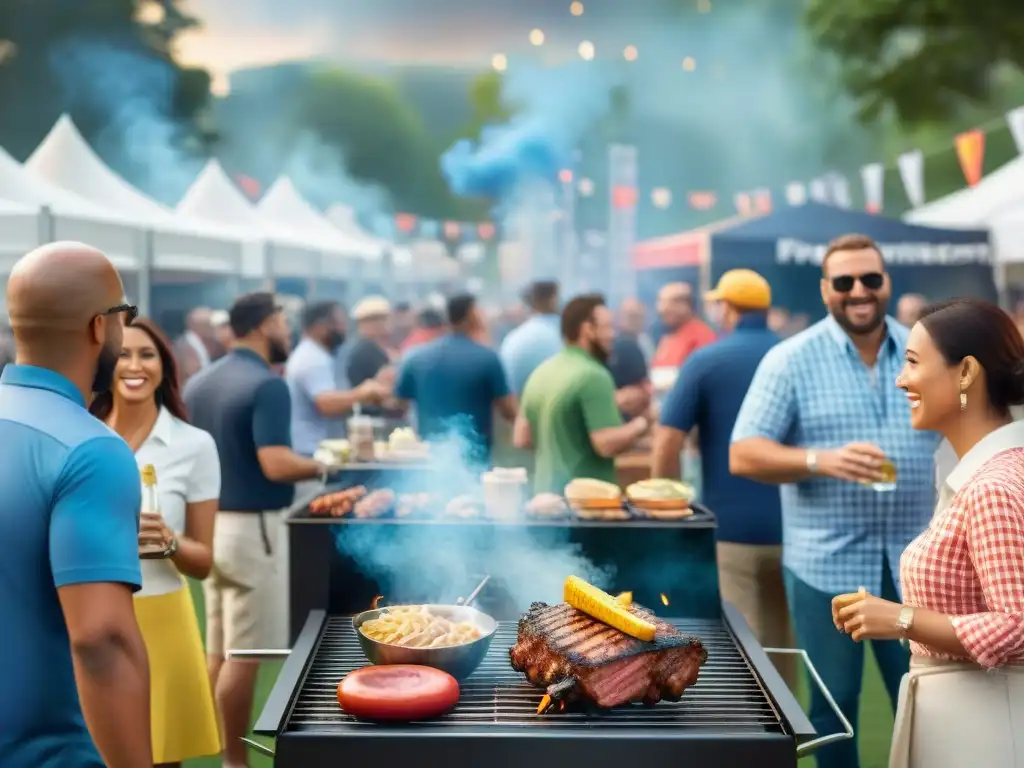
(398, 692)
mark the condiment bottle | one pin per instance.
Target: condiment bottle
(151, 504)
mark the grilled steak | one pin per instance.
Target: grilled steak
(576, 657)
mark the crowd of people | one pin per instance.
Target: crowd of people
(816, 448)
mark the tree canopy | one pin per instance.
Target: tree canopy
(922, 59)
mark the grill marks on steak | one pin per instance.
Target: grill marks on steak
(575, 656)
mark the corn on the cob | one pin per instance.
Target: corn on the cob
(600, 605)
(624, 599)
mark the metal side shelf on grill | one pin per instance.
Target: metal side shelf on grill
(728, 717)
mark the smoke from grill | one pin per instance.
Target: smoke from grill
(440, 562)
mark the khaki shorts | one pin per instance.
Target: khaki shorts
(244, 590)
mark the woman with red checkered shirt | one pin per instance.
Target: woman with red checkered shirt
(962, 703)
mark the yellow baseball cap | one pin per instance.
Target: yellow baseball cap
(743, 288)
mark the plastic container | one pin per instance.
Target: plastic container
(504, 492)
(361, 437)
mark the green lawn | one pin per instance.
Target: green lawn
(875, 712)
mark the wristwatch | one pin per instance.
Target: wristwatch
(812, 462)
(905, 621)
(172, 548)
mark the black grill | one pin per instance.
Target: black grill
(728, 716)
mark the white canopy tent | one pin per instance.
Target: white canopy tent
(344, 218)
(180, 243)
(995, 203)
(67, 217)
(19, 232)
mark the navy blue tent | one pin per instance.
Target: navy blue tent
(787, 246)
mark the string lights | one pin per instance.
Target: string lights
(576, 8)
(499, 62)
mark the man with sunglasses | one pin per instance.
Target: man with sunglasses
(821, 416)
(74, 669)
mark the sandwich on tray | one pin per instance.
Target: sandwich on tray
(661, 498)
(594, 499)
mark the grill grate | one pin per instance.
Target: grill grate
(727, 699)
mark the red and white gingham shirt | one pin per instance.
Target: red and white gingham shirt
(969, 562)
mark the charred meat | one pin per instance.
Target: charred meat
(577, 658)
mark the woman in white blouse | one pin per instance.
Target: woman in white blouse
(145, 408)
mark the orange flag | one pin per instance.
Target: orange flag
(970, 150)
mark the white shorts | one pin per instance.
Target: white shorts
(246, 592)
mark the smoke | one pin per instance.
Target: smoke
(439, 562)
(318, 171)
(129, 95)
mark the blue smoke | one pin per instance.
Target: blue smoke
(554, 108)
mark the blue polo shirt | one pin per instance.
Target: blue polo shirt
(707, 397)
(529, 345)
(454, 382)
(245, 406)
(69, 514)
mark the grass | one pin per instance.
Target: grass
(875, 712)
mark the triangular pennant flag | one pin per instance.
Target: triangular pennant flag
(1015, 119)
(840, 190)
(744, 203)
(796, 193)
(970, 151)
(911, 168)
(819, 191)
(762, 201)
(703, 201)
(872, 176)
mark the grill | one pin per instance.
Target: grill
(739, 711)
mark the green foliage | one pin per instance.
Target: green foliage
(922, 59)
(487, 107)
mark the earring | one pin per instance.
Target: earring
(963, 401)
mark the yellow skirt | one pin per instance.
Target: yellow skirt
(184, 719)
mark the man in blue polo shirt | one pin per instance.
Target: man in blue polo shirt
(73, 663)
(456, 383)
(537, 339)
(707, 397)
(246, 407)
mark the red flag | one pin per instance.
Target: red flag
(249, 186)
(703, 201)
(565, 176)
(486, 230)
(406, 222)
(970, 150)
(763, 201)
(624, 197)
(452, 230)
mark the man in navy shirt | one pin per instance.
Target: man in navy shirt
(246, 407)
(456, 383)
(707, 397)
(73, 666)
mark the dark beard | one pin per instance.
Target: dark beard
(278, 352)
(106, 364)
(599, 353)
(334, 341)
(864, 328)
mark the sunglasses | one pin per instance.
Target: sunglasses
(130, 312)
(844, 283)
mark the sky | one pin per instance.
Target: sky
(242, 33)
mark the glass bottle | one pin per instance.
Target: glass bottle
(151, 504)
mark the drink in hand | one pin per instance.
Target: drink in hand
(151, 550)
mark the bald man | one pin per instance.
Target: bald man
(74, 669)
(685, 332)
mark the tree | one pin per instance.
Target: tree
(923, 59)
(487, 104)
(381, 137)
(56, 57)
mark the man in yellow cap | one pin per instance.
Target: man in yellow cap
(706, 397)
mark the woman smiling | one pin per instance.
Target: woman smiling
(145, 408)
(962, 703)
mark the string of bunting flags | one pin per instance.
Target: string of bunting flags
(410, 225)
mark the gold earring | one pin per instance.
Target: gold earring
(963, 401)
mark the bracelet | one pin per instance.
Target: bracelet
(172, 548)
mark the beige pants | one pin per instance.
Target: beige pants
(246, 592)
(957, 715)
(750, 576)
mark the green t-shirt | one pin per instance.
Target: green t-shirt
(569, 396)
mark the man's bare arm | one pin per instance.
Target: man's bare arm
(111, 670)
(612, 441)
(766, 461)
(665, 452)
(522, 433)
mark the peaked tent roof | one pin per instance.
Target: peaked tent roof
(65, 158)
(214, 197)
(817, 223)
(976, 206)
(20, 185)
(283, 205)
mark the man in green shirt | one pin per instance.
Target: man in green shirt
(568, 413)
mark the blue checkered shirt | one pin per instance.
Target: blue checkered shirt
(814, 390)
